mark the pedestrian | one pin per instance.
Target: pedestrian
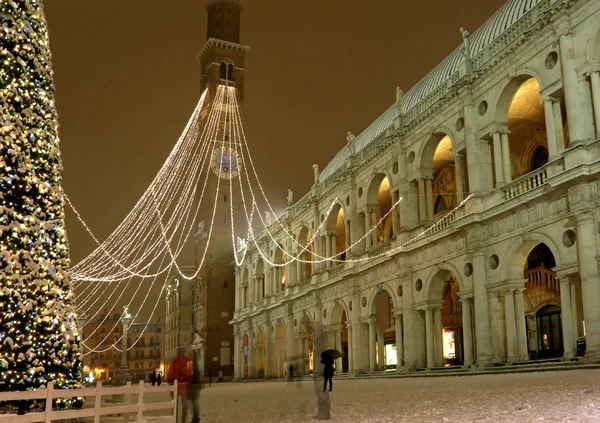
(159, 379)
(328, 371)
(153, 378)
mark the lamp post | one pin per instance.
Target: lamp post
(126, 318)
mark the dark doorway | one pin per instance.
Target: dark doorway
(549, 328)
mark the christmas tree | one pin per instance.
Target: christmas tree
(39, 341)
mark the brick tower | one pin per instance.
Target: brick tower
(222, 63)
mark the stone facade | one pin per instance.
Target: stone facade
(507, 129)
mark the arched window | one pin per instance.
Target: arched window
(540, 157)
(440, 205)
(226, 71)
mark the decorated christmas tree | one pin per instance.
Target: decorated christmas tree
(39, 341)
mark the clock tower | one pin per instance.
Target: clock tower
(222, 64)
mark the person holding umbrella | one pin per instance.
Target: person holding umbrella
(328, 358)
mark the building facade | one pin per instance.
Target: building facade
(492, 252)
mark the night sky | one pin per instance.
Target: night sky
(127, 82)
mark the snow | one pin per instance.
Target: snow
(564, 396)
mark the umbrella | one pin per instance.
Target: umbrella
(332, 354)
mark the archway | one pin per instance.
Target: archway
(261, 364)
(335, 239)
(543, 304)
(280, 350)
(382, 353)
(245, 352)
(448, 341)
(305, 346)
(339, 337)
(304, 238)
(379, 203)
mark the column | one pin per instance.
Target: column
(439, 353)
(288, 273)
(289, 341)
(372, 361)
(498, 166)
(337, 333)
(521, 327)
(348, 238)
(411, 350)
(236, 356)
(460, 190)
(590, 280)
(467, 329)
(507, 170)
(429, 338)
(268, 357)
(595, 80)
(482, 311)
(395, 225)
(374, 234)
(429, 198)
(576, 114)
(251, 356)
(566, 317)
(380, 349)
(399, 342)
(299, 265)
(334, 250)
(550, 127)
(355, 344)
(511, 328)
(328, 249)
(558, 126)
(422, 206)
(350, 351)
(575, 310)
(367, 228)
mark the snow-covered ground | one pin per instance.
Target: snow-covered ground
(566, 396)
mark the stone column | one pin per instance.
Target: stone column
(236, 356)
(460, 190)
(429, 338)
(429, 198)
(482, 310)
(439, 342)
(348, 238)
(467, 329)
(576, 114)
(511, 328)
(289, 341)
(399, 342)
(126, 319)
(288, 273)
(550, 127)
(558, 124)
(299, 266)
(507, 170)
(337, 333)
(268, 355)
(334, 250)
(498, 159)
(590, 280)
(372, 331)
(380, 349)
(374, 234)
(328, 249)
(355, 344)
(251, 356)
(395, 225)
(595, 80)
(367, 228)
(567, 317)
(575, 310)
(521, 327)
(422, 206)
(350, 351)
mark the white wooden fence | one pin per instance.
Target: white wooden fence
(99, 409)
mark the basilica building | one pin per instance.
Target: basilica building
(465, 224)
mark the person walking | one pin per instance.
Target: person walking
(153, 378)
(328, 371)
(158, 379)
